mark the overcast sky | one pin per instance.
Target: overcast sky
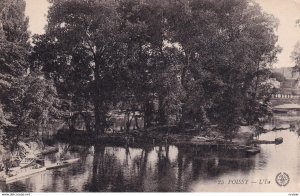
(287, 11)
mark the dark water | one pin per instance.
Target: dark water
(168, 168)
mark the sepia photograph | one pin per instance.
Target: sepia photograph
(197, 96)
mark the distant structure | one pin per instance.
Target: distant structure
(290, 88)
(287, 72)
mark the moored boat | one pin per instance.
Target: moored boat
(48, 150)
(18, 173)
(253, 151)
(60, 164)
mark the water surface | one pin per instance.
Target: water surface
(168, 168)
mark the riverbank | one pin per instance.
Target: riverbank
(242, 143)
(158, 135)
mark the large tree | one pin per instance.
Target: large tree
(13, 38)
(14, 48)
(227, 49)
(147, 59)
(27, 99)
(83, 37)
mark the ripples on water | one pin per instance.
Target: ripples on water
(167, 168)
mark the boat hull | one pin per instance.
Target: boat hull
(61, 164)
(22, 174)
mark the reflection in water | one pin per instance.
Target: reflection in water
(167, 168)
(265, 165)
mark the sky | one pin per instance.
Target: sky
(287, 11)
(37, 10)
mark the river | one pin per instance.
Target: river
(168, 169)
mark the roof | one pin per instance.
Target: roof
(288, 106)
(289, 91)
(286, 71)
(290, 83)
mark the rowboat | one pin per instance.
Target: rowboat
(253, 151)
(47, 150)
(18, 173)
(60, 164)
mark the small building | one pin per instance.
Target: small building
(289, 89)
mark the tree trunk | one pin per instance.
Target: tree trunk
(205, 119)
(161, 112)
(128, 122)
(87, 121)
(97, 116)
(183, 116)
(148, 114)
(136, 122)
(97, 100)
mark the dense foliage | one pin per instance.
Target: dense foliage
(296, 55)
(26, 98)
(194, 63)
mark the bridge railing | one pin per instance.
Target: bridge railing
(286, 96)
